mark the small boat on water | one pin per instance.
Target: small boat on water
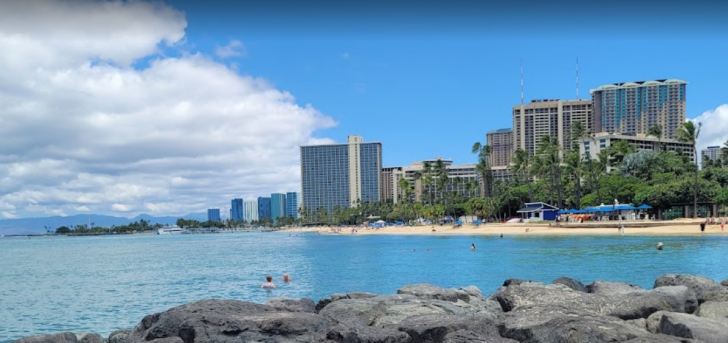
(170, 230)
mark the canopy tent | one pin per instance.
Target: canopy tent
(562, 211)
(380, 222)
(644, 207)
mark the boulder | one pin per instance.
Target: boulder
(65, 337)
(724, 283)
(472, 291)
(689, 326)
(428, 291)
(661, 339)
(702, 286)
(720, 295)
(559, 323)
(338, 296)
(292, 305)
(571, 283)
(351, 330)
(680, 298)
(85, 337)
(119, 336)
(441, 328)
(229, 320)
(611, 288)
(717, 310)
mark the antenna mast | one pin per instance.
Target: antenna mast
(521, 81)
(577, 79)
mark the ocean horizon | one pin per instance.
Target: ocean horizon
(104, 283)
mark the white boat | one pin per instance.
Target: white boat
(170, 230)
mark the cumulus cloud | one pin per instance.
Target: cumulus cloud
(233, 49)
(713, 132)
(83, 130)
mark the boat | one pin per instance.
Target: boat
(170, 230)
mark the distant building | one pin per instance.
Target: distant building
(712, 153)
(250, 211)
(634, 107)
(592, 146)
(292, 205)
(501, 147)
(236, 210)
(461, 178)
(387, 185)
(263, 208)
(501, 173)
(213, 214)
(340, 174)
(277, 206)
(552, 118)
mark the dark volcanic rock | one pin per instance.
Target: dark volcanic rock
(702, 286)
(724, 283)
(65, 337)
(441, 328)
(689, 326)
(661, 339)
(554, 323)
(717, 310)
(89, 338)
(611, 288)
(571, 283)
(428, 291)
(292, 305)
(119, 336)
(351, 330)
(338, 296)
(514, 282)
(227, 321)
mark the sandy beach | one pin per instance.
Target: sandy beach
(677, 227)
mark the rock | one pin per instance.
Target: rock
(702, 286)
(441, 328)
(721, 295)
(639, 322)
(689, 326)
(292, 305)
(65, 337)
(661, 339)
(352, 332)
(680, 298)
(472, 291)
(229, 320)
(558, 323)
(338, 296)
(526, 294)
(119, 336)
(428, 291)
(571, 283)
(717, 310)
(85, 337)
(724, 283)
(611, 288)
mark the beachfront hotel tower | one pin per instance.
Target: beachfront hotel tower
(341, 175)
(292, 205)
(548, 117)
(277, 206)
(501, 147)
(236, 209)
(213, 214)
(263, 208)
(634, 107)
(250, 210)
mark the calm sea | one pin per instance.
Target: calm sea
(100, 284)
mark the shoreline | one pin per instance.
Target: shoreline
(639, 228)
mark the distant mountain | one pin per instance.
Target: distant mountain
(29, 226)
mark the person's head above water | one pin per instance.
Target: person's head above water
(268, 278)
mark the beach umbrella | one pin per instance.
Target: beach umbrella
(571, 211)
(562, 211)
(644, 207)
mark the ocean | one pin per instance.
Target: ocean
(101, 284)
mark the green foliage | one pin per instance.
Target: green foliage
(63, 230)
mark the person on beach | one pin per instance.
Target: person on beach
(287, 278)
(722, 223)
(269, 283)
(472, 247)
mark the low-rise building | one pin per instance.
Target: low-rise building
(462, 178)
(712, 153)
(592, 146)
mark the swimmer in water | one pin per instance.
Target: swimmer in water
(501, 235)
(286, 278)
(472, 247)
(269, 283)
(659, 246)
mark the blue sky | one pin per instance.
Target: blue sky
(169, 108)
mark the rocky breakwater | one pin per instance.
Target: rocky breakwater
(680, 308)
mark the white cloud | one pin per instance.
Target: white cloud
(345, 55)
(715, 127)
(8, 215)
(84, 131)
(234, 49)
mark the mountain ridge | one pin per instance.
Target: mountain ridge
(29, 226)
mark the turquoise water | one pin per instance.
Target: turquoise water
(100, 284)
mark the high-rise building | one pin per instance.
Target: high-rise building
(263, 208)
(501, 147)
(387, 185)
(711, 152)
(462, 179)
(340, 174)
(277, 206)
(250, 212)
(236, 209)
(213, 214)
(292, 205)
(592, 146)
(553, 118)
(634, 107)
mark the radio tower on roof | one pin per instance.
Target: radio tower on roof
(577, 79)
(521, 81)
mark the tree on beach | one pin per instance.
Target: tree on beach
(483, 166)
(548, 162)
(656, 131)
(521, 166)
(689, 133)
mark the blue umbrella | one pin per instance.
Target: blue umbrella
(644, 207)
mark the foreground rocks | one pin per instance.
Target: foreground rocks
(680, 308)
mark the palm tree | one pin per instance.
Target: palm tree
(618, 151)
(578, 133)
(549, 161)
(407, 188)
(656, 131)
(689, 133)
(575, 168)
(483, 166)
(427, 174)
(522, 166)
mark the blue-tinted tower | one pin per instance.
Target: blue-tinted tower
(236, 210)
(213, 214)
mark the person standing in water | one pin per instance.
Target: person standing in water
(269, 283)
(472, 247)
(286, 278)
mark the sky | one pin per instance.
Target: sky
(170, 108)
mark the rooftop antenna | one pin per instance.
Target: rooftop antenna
(521, 81)
(577, 79)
